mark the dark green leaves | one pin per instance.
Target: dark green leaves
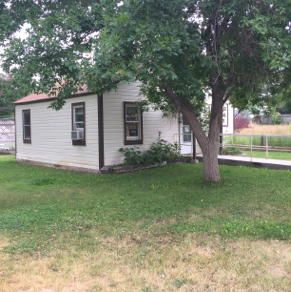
(186, 45)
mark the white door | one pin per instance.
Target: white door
(186, 138)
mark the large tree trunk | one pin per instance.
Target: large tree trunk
(210, 160)
(210, 152)
(208, 144)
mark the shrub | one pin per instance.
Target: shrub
(231, 151)
(162, 151)
(276, 119)
(159, 152)
(133, 155)
(241, 123)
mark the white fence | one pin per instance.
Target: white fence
(258, 145)
(286, 118)
(7, 134)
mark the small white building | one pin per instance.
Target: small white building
(87, 133)
(89, 130)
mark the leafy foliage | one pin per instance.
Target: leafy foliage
(161, 43)
(276, 119)
(241, 123)
(231, 151)
(132, 156)
(285, 106)
(10, 90)
(159, 152)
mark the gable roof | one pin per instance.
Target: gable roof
(39, 97)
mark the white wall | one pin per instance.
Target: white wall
(153, 122)
(51, 134)
(229, 129)
(51, 130)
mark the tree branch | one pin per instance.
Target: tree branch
(226, 94)
(188, 111)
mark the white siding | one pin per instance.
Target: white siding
(153, 123)
(229, 129)
(51, 135)
(51, 130)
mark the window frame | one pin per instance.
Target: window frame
(225, 115)
(138, 141)
(184, 133)
(25, 139)
(81, 142)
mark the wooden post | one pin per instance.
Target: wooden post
(251, 147)
(267, 147)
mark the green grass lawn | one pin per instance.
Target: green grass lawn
(271, 155)
(127, 221)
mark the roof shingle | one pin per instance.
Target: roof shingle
(34, 97)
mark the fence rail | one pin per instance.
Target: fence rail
(7, 134)
(256, 144)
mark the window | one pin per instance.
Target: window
(78, 124)
(187, 133)
(132, 124)
(225, 116)
(26, 124)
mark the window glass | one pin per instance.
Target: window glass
(132, 124)
(132, 113)
(26, 123)
(78, 124)
(79, 117)
(187, 132)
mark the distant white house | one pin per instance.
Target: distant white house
(87, 133)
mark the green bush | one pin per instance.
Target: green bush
(159, 152)
(133, 155)
(162, 151)
(231, 151)
(276, 119)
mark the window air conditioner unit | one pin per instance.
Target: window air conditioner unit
(78, 134)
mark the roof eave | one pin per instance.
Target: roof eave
(51, 98)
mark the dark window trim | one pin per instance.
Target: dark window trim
(26, 140)
(133, 142)
(100, 130)
(83, 141)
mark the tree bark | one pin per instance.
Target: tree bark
(209, 144)
(210, 153)
(210, 160)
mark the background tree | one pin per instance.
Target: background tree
(180, 50)
(5, 102)
(10, 91)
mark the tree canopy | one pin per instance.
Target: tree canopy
(180, 50)
(10, 91)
